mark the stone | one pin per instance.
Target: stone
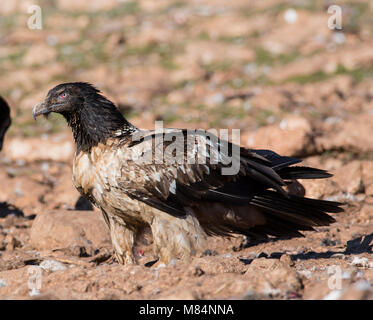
(69, 229)
(292, 137)
(352, 135)
(367, 176)
(349, 177)
(36, 149)
(52, 266)
(215, 265)
(320, 188)
(273, 277)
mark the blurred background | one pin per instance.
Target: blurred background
(206, 63)
(273, 69)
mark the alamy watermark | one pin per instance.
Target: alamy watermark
(35, 21)
(335, 20)
(335, 278)
(35, 280)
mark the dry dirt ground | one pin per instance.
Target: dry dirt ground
(271, 68)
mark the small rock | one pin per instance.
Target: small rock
(306, 273)
(173, 262)
(351, 135)
(326, 242)
(320, 188)
(2, 283)
(285, 258)
(273, 277)
(69, 229)
(160, 266)
(181, 294)
(360, 262)
(198, 271)
(12, 242)
(362, 285)
(293, 137)
(214, 99)
(333, 295)
(52, 266)
(35, 149)
(208, 252)
(361, 290)
(251, 295)
(349, 177)
(216, 265)
(291, 16)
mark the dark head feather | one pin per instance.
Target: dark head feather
(92, 117)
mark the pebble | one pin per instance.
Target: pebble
(291, 16)
(339, 37)
(44, 166)
(215, 99)
(362, 285)
(306, 273)
(333, 295)
(173, 262)
(52, 266)
(3, 283)
(360, 262)
(162, 265)
(34, 292)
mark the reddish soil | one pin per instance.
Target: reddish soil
(296, 87)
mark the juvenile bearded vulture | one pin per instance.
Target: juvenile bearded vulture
(137, 182)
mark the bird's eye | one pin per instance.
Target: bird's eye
(62, 96)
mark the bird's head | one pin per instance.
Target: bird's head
(66, 99)
(92, 117)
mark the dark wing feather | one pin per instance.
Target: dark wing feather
(293, 173)
(166, 182)
(276, 161)
(251, 202)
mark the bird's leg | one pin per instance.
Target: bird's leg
(123, 240)
(122, 237)
(176, 238)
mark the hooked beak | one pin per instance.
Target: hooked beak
(41, 108)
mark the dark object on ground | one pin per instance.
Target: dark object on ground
(83, 204)
(4, 120)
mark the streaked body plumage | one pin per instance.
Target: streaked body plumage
(182, 202)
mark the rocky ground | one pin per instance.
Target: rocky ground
(272, 69)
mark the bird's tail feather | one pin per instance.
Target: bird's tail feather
(288, 216)
(270, 214)
(295, 172)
